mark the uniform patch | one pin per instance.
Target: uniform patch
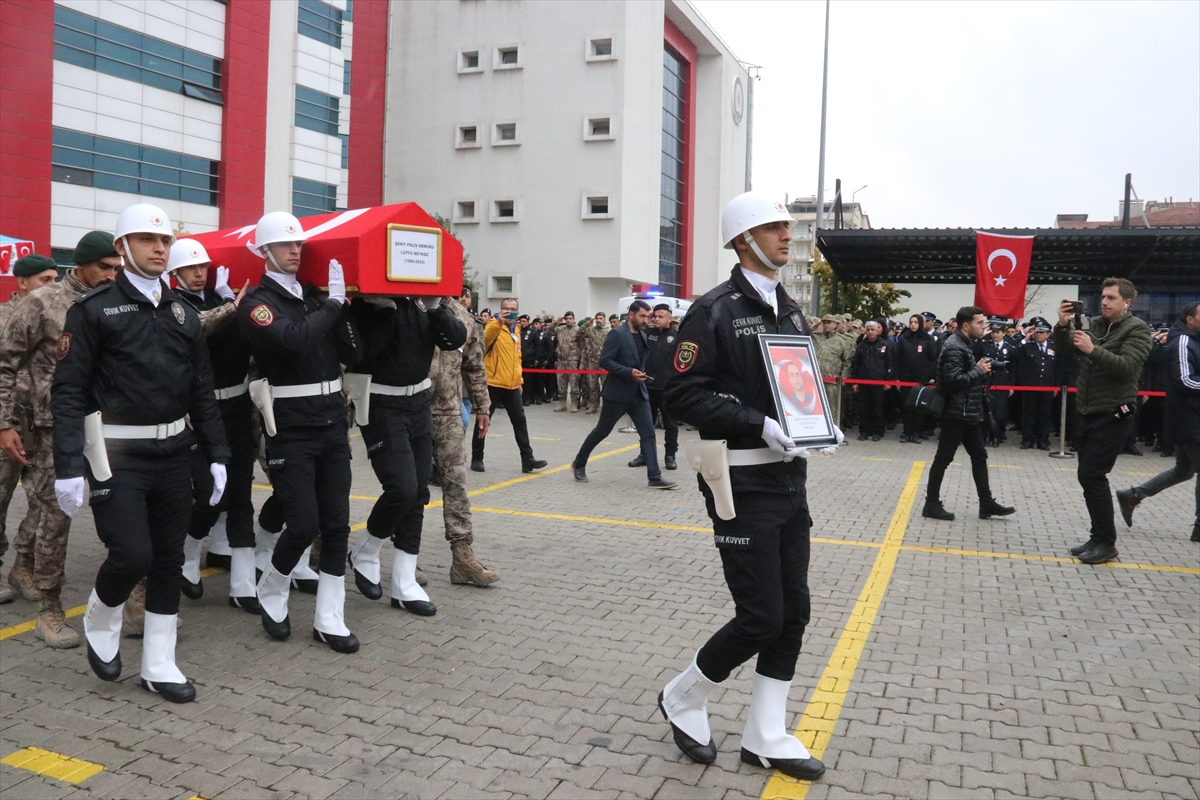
(685, 356)
(64, 346)
(177, 310)
(262, 316)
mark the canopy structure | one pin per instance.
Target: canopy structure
(1147, 256)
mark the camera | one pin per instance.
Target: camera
(999, 364)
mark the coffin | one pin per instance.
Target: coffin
(384, 250)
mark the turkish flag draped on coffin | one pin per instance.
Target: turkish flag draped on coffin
(1002, 273)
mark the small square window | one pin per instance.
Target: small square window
(598, 128)
(471, 60)
(505, 134)
(468, 61)
(602, 47)
(501, 284)
(466, 136)
(507, 56)
(464, 210)
(505, 209)
(597, 205)
(599, 48)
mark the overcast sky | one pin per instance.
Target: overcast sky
(974, 114)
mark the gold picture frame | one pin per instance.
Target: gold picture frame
(391, 246)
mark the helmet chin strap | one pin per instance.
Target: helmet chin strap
(271, 258)
(132, 263)
(758, 253)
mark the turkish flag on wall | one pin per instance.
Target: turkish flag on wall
(1002, 273)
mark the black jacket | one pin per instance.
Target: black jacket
(1035, 368)
(1183, 387)
(662, 353)
(1002, 356)
(961, 379)
(137, 365)
(398, 345)
(718, 380)
(227, 351)
(873, 360)
(547, 348)
(916, 356)
(297, 341)
(623, 352)
(529, 346)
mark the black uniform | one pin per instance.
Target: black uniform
(230, 359)
(915, 361)
(138, 365)
(1036, 367)
(303, 341)
(547, 358)
(871, 362)
(530, 338)
(398, 348)
(658, 369)
(719, 384)
(1002, 355)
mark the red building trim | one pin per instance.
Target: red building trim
(368, 104)
(26, 114)
(241, 176)
(683, 47)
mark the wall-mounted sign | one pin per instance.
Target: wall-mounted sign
(414, 254)
(738, 100)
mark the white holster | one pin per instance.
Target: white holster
(93, 447)
(710, 458)
(358, 389)
(260, 395)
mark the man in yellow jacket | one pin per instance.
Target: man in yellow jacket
(502, 361)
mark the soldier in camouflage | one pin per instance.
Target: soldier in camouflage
(454, 372)
(591, 341)
(567, 334)
(29, 352)
(834, 354)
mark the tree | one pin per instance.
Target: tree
(471, 277)
(860, 300)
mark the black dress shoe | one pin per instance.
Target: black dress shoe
(338, 644)
(637, 462)
(1132, 450)
(279, 631)
(876, 438)
(700, 753)
(247, 604)
(1026, 446)
(217, 561)
(1127, 501)
(669, 463)
(192, 591)
(661, 483)
(580, 473)
(371, 591)
(1098, 553)
(904, 438)
(530, 466)
(1044, 446)
(991, 508)
(306, 585)
(1079, 548)
(476, 465)
(105, 670)
(1196, 532)
(862, 437)
(936, 511)
(804, 769)
(174, 692)
(422, 608)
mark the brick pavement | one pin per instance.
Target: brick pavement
(981, 675)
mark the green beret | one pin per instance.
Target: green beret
(31, 265)
(93, 247)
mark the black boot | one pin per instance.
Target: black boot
(1127, 501)
(669, 462)
(990, 508)
(935, 510)
(640, 461)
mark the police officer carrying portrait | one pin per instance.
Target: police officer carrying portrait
(299, 339)
(1000, 351)
(720, 385)
(392, 407)
(1036, 367)
(230, 358)
(132, 400)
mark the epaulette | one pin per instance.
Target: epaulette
(104, 287)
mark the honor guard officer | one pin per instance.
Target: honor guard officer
(997, 348)
(1035, 367)
(390, 388)
(757, 503)
(132, 365)
(230, 358)
(300, 338)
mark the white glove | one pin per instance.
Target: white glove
(221, 287)
(219, 478)
(433, 303)
(70, 495)
(336, 282)
(831, 449)
(381, 302)
(841, 437)
(776, 438)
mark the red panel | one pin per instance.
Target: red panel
(684, 48)
(241, 175)
(368, 102)
(26, 127)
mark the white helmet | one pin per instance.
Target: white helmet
(278, 226)
(187, 253)
(747, 211)
(143, 218)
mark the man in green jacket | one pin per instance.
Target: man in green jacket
(1111, 354)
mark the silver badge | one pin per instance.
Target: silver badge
(177, 310)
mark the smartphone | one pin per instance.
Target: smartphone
(1076, 306)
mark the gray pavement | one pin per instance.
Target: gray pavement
(995, 666)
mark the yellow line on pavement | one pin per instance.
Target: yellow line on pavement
(52, 765)
(1050, 559)
(815, 728)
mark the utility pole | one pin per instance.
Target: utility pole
(821, 165)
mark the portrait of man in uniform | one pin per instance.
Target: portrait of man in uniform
(797, 388)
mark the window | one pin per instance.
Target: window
(464, 210)
(82, 159)
(502, 285)
(346, 78)
(597, 206)
(672, 216)
(321, 21)
(468, 61)
(345, 137)
(316, 111)
(504, 209)
(349, 12)
(467, 136)
(599, 48)
(505, 134)
(507, 57)
(98, 45)
(312, 197)
(598, 128)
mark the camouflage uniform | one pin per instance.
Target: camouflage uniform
(591, 341)
(568, 358)
(834, 355)
(10, 471)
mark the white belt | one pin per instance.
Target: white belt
(401, 391)
(230, 392)
(307, 389)
(164, 430)
(754, 457)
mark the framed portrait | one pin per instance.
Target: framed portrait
(796, 386)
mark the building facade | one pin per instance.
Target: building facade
(797, 277)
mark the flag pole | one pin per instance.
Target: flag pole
(821, 165)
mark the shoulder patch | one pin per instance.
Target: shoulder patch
(262, 315)
(64, 346)
(685, 356)
(177, 310)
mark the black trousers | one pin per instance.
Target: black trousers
(998, 398)
(510, 401)
(610, 414)
(1037, 409)
(870, 410)
(670, 426)
(142, 514)
(970, 436)
(400, 445)
(1099, 439)
(914, 421)
(236, 502)
(764, 553)
(310, 472)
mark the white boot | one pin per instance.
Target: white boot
(364, 560)
(159, 673)
(766, 741)
(218, 541)
(684, 703)
(241, 580)
(102, 629)
(264, 547)
(329, 622)
(406, 592)
(192, 587)
(303, 577)
(273, 590)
